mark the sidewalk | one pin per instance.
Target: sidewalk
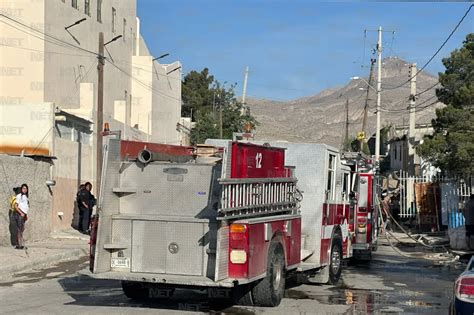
(61, 246)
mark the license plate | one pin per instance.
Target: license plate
(120, 262)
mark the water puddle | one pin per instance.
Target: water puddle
(366, 301)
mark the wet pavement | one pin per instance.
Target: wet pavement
(390, 283)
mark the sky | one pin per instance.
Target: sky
(297, 48)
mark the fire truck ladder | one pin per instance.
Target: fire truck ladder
(249, 197)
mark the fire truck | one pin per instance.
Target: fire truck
(364, 223)
(237, 221)
(352, 207)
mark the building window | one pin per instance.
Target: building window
(114, 15)
(124, 30)
(395, 151)
(74, 4)
(99, 11)
(87, 7)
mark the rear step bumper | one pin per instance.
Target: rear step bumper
(179, 280)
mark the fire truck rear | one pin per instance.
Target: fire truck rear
(365, 222)
(170, 219)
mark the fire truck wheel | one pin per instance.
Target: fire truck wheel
(134, 290)
(269, 291)
(335, 260)
(242, 295)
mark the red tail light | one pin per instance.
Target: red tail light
(464, 289)
(238, 250)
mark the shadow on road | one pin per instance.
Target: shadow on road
(87, 291)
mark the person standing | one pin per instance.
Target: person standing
(11, 211)
(19, 217)
(85, 207)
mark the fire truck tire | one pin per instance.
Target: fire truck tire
(270, 290)
(242, 295)
(335, 260)
(134, 290)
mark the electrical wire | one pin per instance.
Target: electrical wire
(143, 84)
(424, 91)
(437, 51)
(45, 51)
(58, 41)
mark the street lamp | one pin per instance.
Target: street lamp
(113, 40)
(160, 57)
(175, 69)
(74, 24)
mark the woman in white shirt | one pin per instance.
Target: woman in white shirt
(20, 216)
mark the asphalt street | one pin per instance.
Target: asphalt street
(388, 284)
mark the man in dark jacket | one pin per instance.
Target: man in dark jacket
(85, 203)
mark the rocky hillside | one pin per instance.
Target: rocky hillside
(321, 118)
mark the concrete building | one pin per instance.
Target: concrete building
(43, 64)
(400, 159)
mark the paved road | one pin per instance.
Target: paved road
(389, 284)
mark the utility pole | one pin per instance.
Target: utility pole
(366, 106)
(379, 87)
(100, 105)
(346, 136)
(412, 73)
(244, 91)
(100, 110)
(411, 129)
(220, 121)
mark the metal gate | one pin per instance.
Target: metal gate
(453, 194)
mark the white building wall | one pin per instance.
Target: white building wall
(166, 110)
(21, 53)
(36, 70)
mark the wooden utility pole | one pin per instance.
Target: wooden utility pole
(221, 134)
(366, 106)
(100, 111)
(379, 92)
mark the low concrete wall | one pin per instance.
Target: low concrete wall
(15, 171)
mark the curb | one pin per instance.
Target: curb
(7, 271)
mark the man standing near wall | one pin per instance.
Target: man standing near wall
(85, 203)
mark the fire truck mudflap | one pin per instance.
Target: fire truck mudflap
(228, 223)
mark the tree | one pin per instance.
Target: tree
(451, 147)
(197, 92)
(204, 97)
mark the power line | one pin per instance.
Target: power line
(424, 91)
(437, 51)
(58, 41)
(143, 84)
(45, 51)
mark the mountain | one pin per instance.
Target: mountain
(321, 117)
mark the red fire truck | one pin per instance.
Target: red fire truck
(233, 222)
(365, 223)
